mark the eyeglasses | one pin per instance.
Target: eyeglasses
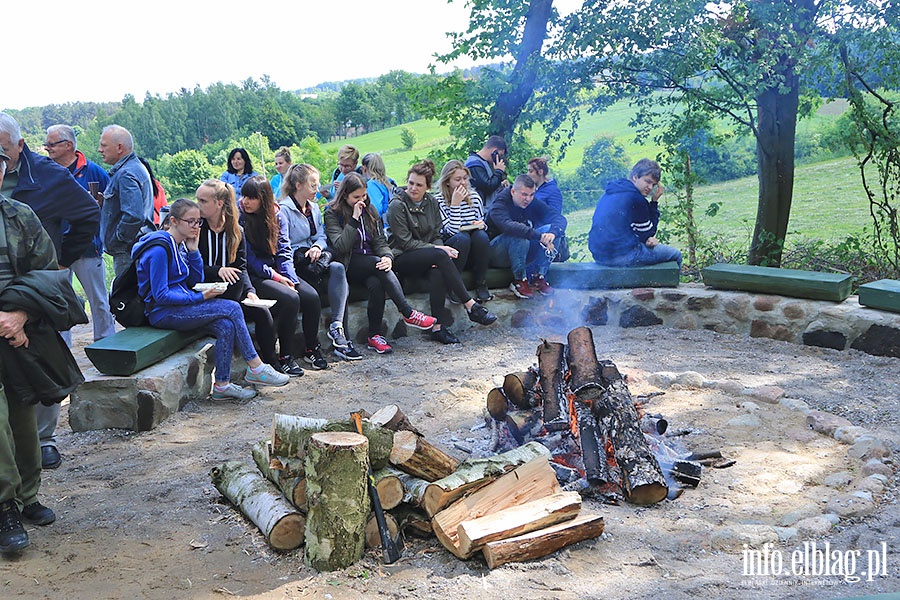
(55, 144)
(192, 222)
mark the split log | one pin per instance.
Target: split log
(337, 466)
(476, 473)
(292, 486)
(520, 387)
(261, 502)
(290, 434)
(543, 541)
(373, 535)
(413, 521)
(417, 457)
(642, 479)
(389, 487)
(392, 418)
(552, 365)
(517, 520)
(497, 404)
(535, 479)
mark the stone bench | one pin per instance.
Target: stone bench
(883, 294)
(135, 348)
(590, 275)
(835, 287)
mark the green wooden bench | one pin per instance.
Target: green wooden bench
(783, 282)
(135, 348)
(883, 294)
(590, 275)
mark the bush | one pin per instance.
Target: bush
(183, 172)
(408, 138)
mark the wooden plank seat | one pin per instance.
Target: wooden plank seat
(590, 275)
(883, 294)
(784, 282)
(135, 348)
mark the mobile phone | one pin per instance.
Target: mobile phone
(495, 155)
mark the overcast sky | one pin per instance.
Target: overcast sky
(101, 50)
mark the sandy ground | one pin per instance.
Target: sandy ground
(139, 518)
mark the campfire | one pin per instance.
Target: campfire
(604, 444)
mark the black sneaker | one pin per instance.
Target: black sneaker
(444, 336)
(288, 365)
(315, 359)
(38, 514)
(482, 293)
(13, 537)
(347, 353)
(481, 315)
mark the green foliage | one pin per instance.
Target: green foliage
(183, 172)
(408, 137)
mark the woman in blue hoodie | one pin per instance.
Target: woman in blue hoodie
(169, 266)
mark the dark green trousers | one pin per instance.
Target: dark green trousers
(20, 452)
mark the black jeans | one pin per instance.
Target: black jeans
(436, 266)
(474, 252)
(303, 300)
(362, 271)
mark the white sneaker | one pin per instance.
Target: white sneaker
(267, 376)
(233, 392)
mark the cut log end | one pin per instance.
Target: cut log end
(651, 493)
(288, 533)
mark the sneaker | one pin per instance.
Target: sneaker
(522, 289)
(539, 284)
(444, 336)
(481, 315)
(379, 344)
(267, 376)
(315, 358)
(13, 537)
(420, 320)
(289, 366)
(482, 293)
(38, 514)
(348, 353)
(233, 392)
(337, 337)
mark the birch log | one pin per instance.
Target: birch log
(414, 455)
(373, 535)
(392, 418)
(292, 486)
(389, 487)
(291, 433)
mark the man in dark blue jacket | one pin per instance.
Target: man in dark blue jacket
(68, 214)
(624, 226)
(523, 234)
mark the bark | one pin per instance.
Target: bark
(535, 479)
(290, 434)
(417, 457)
(261, 502)
(413, 521)
(392, 418)
(291, 485)
(475, 473)
(551, 362)
(413, 488)
(373, 535)
(389, 487)
(336, 472)
(517, 520)
(542, 542)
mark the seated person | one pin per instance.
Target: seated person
(624, 223)
(523, 231)
(547, 189)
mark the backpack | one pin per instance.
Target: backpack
(125, 302)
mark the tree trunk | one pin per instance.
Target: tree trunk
(290, 435)
(291, 485)
(261, 502)
(542, 542)
(417, 457)
(475, 473)
(337, 467)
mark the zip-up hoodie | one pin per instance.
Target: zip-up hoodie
(623, 220)
(413, 227)
(164, 282)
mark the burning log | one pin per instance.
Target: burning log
(551, 362)
(416, 456)
(682, 471)
(516, 520)
(261, 502)
(519, 387)
(535, 479)
(543, 541)
(475, 473)
(392, 418)
(291, 484)
(338, 505)
(497, 404)
(290, 434)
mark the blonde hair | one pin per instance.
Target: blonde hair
(444, 182)
(224, 192)
(285, 153)
(374, 165)
(296, 174)
(348, 152)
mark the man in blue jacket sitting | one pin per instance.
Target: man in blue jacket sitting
(624, 226)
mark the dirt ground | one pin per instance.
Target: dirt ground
(139, 518)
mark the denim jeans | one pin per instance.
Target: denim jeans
(642, 255)
(525, 257)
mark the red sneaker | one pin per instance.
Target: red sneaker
(539, 284)
(379, 344)
(420, 320)
(522, 289)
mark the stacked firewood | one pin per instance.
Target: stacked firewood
(309, 489)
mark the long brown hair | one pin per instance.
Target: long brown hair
(447, 172)
(351, 183)
(261, 227)
(224, 192)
